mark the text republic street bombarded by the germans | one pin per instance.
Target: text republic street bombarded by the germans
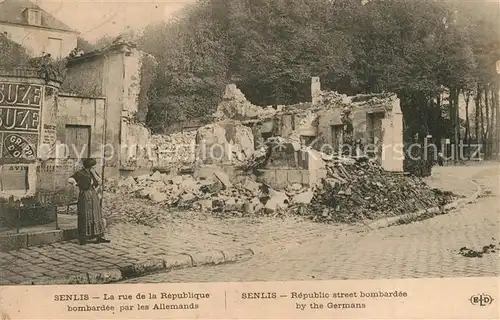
(188, 300)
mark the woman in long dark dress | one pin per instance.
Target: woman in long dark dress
(91, 224)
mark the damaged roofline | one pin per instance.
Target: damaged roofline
(123, 47)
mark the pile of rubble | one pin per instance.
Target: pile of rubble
(359, 189)
(354, 190)
(212, 193)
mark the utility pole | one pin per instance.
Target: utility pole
(497, 122)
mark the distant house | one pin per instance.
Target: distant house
(24, 22)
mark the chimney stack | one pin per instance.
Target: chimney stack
(315, 90)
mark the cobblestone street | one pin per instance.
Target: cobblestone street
(429, 248)
(285, 248)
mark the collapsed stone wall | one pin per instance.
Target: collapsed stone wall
(224, 142)
(239, 127)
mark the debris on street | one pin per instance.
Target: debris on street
(359, 189)
(355, 189)
(471, 253)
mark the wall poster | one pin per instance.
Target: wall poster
(20, 106)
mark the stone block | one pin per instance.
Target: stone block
(251, 185)
(178, 261)
(13, 241)
(281, 179)
(106, 276)
(224, 179)
(306, 177)
(237, 255)
(277, 201)
(294, 176)
(148, 266)
(158, 196)
(45, 237)
(304, 198)
(207, 258)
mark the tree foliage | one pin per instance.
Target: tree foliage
(12, 54)
(428, 52)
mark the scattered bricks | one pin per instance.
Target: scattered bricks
(178, 261)
(294, 176)
(13, 241)
(105, 276)
(207, 258)
(46, 237)
(237, 255)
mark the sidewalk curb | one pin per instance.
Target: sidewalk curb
(457, 204)
(158, 265)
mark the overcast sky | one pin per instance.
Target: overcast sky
(94, 18)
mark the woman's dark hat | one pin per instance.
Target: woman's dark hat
(89, 162)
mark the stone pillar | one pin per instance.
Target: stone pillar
(315, 90)
(392, 126)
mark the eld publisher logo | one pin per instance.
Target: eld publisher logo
(481, 300)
